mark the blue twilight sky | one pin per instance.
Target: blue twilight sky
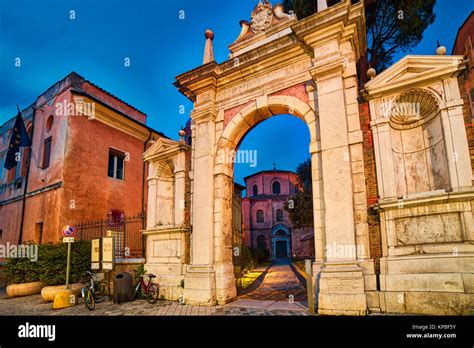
(160, 46)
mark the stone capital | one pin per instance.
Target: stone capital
(380, 122)
(328, 68)
(204, 113)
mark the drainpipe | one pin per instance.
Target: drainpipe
(25, 190)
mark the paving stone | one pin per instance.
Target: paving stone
(269, 299)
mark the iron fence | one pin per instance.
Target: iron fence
(129, 241)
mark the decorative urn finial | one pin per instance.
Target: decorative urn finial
(440, 50)
(208, 49)
(181, 134)
(371, 73)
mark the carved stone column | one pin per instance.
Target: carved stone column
(224, 269)
(387, 185)
(200, 287)
(341, 286)
(151, 207)
(180, 189)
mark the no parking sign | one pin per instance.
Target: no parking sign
(68, 233)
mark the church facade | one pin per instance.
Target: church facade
(266, 223)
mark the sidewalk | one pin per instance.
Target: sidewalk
(34, 305)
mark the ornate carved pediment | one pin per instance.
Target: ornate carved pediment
(413, 71)
(164, 148)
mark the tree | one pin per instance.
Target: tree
(300, 206)
(393, 26)
(302, 8)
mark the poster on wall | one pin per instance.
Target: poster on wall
(108, 253)
(95, 253)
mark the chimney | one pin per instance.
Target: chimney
(208, 50)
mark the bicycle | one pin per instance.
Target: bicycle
(150, 290)
(93, 292)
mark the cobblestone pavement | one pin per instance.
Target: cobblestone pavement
(34, 305)
(269, 299)
(279, 283)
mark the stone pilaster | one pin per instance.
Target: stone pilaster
(341, 285)
(200, 287)
(224, 269)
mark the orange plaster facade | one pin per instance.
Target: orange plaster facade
(75, 187)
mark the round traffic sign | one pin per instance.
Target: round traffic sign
(69, 231)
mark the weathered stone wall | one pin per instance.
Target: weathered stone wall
(466, 85)
(426, 225)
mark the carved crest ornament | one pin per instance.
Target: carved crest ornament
(261, 17)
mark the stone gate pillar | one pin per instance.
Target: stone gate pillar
(341, 284)
(200, 287)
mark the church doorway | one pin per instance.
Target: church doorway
(281, 249)
(281, 242)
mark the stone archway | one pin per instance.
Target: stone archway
(303, 68)
(242, 123)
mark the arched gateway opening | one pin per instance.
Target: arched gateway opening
(279, 66)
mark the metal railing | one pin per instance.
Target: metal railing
(129, 241)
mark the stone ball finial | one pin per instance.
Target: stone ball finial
(371, 73)
(441, 51)
(209, 34)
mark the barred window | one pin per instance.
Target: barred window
(260, 218)
(279, 215)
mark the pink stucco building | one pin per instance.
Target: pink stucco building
(266, 224)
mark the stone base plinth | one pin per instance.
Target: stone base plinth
(166, 255)
(426, 302)
(433, 284)
(170, 278)
(199, 285)
(225, 282)
(341, 290)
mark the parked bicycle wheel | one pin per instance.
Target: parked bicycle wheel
(153, 293)
(101, 291)
(89, 299)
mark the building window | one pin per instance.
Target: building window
(38, 238)
(279, 215)
(276, 188)
(1, 234)
(261, 244)
(116, 164)
(47, 152)
(49, 123)
(255, 190)
(260, 218)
